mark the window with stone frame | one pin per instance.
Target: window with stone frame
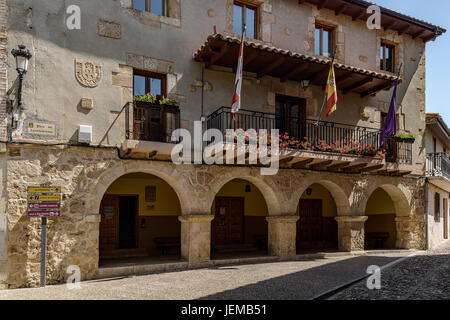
(158, 7)
(149, 82)
(324, 40)
(245, 14)
(437, 207)
(387, 57)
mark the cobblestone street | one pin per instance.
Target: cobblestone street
(422, 277)
(291, 280)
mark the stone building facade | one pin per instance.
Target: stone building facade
(88, 76)
(437, 140)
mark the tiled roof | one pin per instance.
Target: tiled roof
(271, 49)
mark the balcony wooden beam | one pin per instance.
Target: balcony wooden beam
(356, 168)
(285, 161)
(320, 165)
(338, 166)
(301, 164)
(372, 168)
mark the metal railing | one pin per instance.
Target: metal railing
(438, 164)
(151, 122)
(399, 151)
(314, 131)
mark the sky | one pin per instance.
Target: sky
(436, 12)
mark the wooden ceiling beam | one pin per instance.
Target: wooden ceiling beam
(376, 89)
(316, 75)
(343, 76)
(356, 85)
(341, 9)
(359, 15)
(404, 30)
(302, 67)
(419, 34)
(216, 57)
(322, 4)
(390, 25)
(274, 64)
(249, 58)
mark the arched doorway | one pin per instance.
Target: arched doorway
(239, 227)
(139, 220)
(317, 228)
(380, 227)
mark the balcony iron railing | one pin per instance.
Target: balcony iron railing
(151, 122)
(438, 165)
(314, 131)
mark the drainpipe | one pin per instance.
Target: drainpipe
(427, 236)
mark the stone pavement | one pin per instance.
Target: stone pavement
(422, 277)
(303, 279)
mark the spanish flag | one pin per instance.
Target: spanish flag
(331, 91)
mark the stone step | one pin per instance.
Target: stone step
(235, 248)
(123, 253)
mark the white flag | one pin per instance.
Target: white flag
(236, 103)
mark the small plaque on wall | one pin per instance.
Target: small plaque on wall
(150, 194)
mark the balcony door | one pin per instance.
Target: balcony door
(291, 115)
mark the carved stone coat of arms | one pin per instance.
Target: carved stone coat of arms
(88, 73)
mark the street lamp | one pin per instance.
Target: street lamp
(22, 56)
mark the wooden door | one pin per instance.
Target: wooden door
(109, 224)
(445, 218)
(309, 226)
(228, 224)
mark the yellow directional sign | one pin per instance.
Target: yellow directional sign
(38, 198)
(44, 190)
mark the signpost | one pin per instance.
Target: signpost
(44, 202)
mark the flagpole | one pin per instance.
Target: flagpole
(233, 117)
(325, 94)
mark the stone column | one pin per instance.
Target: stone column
(3, 251)
(410, 233)
(282, 235)
(351, 233)
(196, 238)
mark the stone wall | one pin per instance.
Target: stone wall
(86, 173)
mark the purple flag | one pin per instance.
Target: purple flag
(390, 125)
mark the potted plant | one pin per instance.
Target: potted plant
(168, 102)
(404, 137)
(148, 98)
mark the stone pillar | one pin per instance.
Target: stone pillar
(410, 233)
(282, 235)
(351, 233)
(3, 252)
(196, 238)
